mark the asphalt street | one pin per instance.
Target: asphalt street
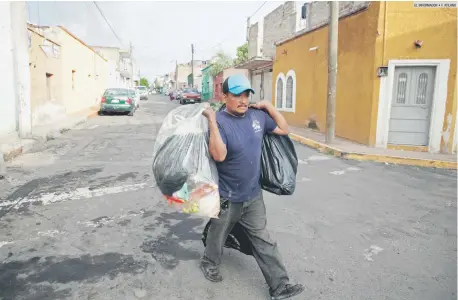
(80, 218)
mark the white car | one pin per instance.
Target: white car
(143, 90)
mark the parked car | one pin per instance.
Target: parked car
(118, 100)
(136, 95)
(190, 96)
(143, 92)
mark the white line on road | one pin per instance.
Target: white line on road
(353, 169)
(80, 193)
(4, 243)
(318, 158)
(341, 172)
(374, 249)
(303, 179)
(337, 172)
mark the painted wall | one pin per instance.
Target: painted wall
(218, 86)
(84, 73)
(46, 98)
(113, 57)
(437, 28)
(207, 84)
(8, 113)
(367, 42)
(357, 35)
(232, 71)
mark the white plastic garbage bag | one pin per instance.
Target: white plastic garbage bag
(182, 167)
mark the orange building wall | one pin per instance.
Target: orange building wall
(356, 73)
(437, 28)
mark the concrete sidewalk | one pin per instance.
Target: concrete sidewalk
(12, 146)
(349, 150)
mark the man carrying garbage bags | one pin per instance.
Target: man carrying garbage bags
(235, 143)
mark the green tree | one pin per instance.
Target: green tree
(144, 82)
(220, 62)
(242, 54)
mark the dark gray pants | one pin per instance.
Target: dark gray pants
(252, 216)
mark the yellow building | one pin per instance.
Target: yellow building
(67, 76)
(84, 71)
(46, 98)
(396, 84)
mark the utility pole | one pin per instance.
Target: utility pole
(21, 67)
(192, 65)
(332, 70)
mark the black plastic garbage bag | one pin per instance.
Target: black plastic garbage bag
(278, 164)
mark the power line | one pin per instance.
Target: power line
(258, 9)
(108, 23)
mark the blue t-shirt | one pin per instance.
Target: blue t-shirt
(239, 173)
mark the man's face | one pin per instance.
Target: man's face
(236, 104)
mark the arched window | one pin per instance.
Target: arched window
(280, 91)
(289, 92)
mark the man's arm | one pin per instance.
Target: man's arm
(282, 127)
(216, 146)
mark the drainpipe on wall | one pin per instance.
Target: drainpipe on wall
(21, 67)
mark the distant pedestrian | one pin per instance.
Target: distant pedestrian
(235, 144)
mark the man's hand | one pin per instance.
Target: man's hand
(209, 113)
(264, 104)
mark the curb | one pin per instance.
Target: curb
(427, 163)
(52, 134)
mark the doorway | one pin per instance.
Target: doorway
(413, 94)
(412, 100)
(49, 94)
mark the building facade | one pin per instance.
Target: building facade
(46, 92)
(396, 82)
(282, 22)
(84, 71)
(9, 110)
(207, 84)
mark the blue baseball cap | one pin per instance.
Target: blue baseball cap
(237, 84)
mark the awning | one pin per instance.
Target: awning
(256, 63)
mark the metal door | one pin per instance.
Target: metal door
(410, 118)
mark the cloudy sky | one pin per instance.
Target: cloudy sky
(160, 32)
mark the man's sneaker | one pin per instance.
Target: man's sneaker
(211, 272)
(287, 291)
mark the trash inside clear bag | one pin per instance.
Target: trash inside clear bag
(182, 167)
